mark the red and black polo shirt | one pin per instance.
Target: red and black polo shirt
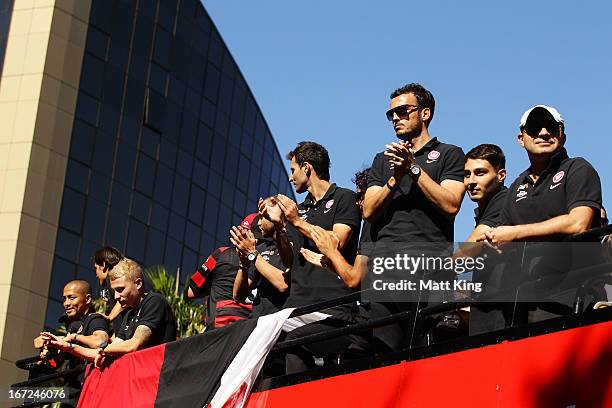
(215, 279)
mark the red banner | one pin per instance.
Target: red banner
(563, 369)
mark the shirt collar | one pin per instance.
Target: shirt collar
(501, 190)
(309, 201)
(432, 144)
(555, 162)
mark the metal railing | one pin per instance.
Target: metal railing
(581, 279)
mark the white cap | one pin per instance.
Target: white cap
(555, 114)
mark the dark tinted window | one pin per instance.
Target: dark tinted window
(162, 158)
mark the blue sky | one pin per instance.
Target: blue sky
(323, 71)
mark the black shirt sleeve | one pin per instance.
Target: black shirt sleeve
(154, 314)
(376, 175)
(96, 323)
(583, 186)
(506, 218)
(454, 164)
(347, 211)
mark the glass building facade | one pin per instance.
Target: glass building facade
(6, 7)
(168, 146)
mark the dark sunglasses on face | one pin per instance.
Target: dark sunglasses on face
(534, 127)
(401, 111)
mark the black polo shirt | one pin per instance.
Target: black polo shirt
(311, 284)
(564, 185)
(88, 324)
(410, 216)
(492, 213)
(215, 279)
(153, 312)
(268, 299)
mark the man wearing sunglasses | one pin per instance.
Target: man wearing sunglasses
(557, 195)
(415, 189)
(416, 186)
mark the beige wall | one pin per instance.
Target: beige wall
(38, 92)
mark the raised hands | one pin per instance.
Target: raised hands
(243, 239)
(401, 157)
(288, 207)
(271, 210)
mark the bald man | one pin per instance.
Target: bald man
(146, 319)
(86, 329)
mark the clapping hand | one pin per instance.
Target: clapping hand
(243, 239)
(288, 207)
(401, 158)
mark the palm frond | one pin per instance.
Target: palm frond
(187, 313)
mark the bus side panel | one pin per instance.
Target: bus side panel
(572, 367)
(562, 369)
(371, 388)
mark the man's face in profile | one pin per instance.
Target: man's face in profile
(298, 176)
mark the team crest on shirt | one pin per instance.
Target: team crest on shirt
(556, 181)
(558, 177)
(433, 156)
(328, 206)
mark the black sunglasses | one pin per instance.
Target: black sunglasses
(533, 127)
(401, 111)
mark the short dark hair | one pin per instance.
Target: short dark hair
(313, 153)
(83, 287)
(489, 152)
(108, 257)
(424, 98)
(361, 183)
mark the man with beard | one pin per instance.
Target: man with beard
(414, 192)
(335, 210)
(415, 186)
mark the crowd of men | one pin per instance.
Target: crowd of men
(291, 255)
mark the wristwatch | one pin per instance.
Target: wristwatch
(415, 170)
(252, 256)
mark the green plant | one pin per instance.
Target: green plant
(100, 305)
(187, 313)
